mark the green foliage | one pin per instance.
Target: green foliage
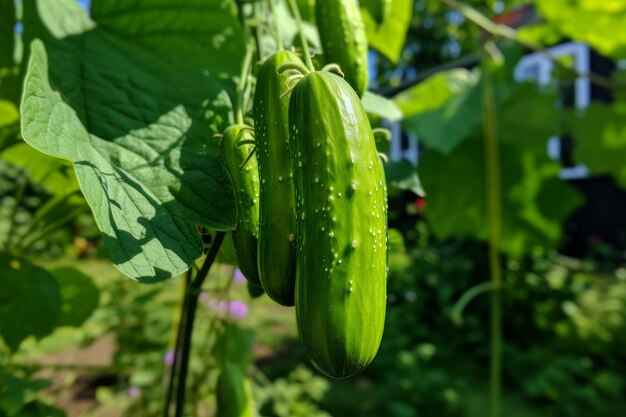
(598, 24)
(18, 397)
(144, 197)
(600, 135)
(193, 33)
(295, 395)
(388, 38)
(535, 201)
(444, 112)
(79, 296)
(30, 302)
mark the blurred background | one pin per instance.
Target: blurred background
(544, 81)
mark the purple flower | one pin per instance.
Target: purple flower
(168, 358)
(238, 276)
(238, 309)
(133, 391)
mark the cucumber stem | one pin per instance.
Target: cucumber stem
(305, 47)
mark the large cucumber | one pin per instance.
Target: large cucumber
(341, 226)
(235, 150)
(277, 246)
(234, 393)
(343, 38)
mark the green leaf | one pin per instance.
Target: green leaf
(8, 113)
(597, 23)
(30, 301)
(381, 106)
(443, 110)
(535, 202)
(139, 137)
(402, 175)
(79, 296)
(16, 393)
(202, 34)
(435, 91)
(389, 37)
(54, 174)
(600, 135)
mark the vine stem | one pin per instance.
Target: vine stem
(494, 215)
(192, 291)
(279, 41)
(243, 79)
(305, 45)
(177, 345)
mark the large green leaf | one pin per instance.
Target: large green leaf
(138, 128)
(600, 135)
(599, 23)
(79, 296)
(30, 301)
(389, 37)
(442, 110)
(535, 202)
(203, 34)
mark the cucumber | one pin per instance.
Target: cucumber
(341, 229)
(343, 38)
(244, 172)
(277, 213)
(234, 393)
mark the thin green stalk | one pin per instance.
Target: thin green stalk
(169, 392)
(243, 80)
(494, 213)
(279, 41)
(191, 294)
(305, 45)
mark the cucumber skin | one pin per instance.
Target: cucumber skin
(342, 241)
(246, 184)
(234, 393)
(277, 209)
(343, 38)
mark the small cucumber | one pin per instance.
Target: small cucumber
(277, 209)
(236, 151)
(341, 215)
(234, 393)
(343, 38)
